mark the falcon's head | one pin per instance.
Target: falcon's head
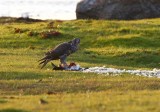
(75, 41)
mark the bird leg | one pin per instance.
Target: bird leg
(63, 61)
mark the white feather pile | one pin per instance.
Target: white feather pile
(112, 71)
(107, 71)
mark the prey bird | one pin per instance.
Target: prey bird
(61, 52)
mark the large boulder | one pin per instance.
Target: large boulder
(118, 9)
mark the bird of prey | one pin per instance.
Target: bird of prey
(61, 52)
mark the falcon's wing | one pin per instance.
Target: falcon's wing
(60, 50)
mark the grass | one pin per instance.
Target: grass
(119, 44)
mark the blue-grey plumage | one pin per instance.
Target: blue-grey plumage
(61, 52)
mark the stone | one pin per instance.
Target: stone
(118, 9)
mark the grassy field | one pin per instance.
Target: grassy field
(24, 87)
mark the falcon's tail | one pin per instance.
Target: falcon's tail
(44, 58)
(44, 61)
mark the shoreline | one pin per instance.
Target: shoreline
(6, 19)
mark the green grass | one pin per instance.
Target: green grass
(119, 44)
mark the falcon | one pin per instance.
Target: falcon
(61, 52)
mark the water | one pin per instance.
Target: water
(39, 9)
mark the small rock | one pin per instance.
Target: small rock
(42, 101)
(40, 80)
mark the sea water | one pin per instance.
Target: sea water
(39, 9)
